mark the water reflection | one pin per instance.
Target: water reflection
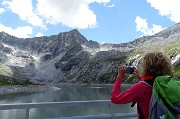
(66, 93)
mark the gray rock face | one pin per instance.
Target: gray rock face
(70, 57)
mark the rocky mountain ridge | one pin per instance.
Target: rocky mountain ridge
(70, 57)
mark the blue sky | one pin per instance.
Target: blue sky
(104, 21)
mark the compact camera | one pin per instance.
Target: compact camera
(129, 69)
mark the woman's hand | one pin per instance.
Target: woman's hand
(121, 71)
(136, 73)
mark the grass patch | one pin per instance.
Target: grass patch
(173, 48)
(3, 83)
(135, 53)
(108, 77)
(177, 73)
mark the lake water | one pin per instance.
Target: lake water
(65, 93)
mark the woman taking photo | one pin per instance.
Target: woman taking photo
(153, 64)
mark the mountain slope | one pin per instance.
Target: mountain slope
(70, 57)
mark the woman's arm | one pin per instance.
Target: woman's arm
(130, 95)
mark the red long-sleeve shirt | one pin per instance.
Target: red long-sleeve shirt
(139, 92)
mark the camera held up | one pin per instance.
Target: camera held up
(129, 69)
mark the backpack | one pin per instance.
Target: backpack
(165, 99)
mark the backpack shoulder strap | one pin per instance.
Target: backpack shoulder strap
(149, 82)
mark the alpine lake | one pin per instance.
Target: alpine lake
(64, 92)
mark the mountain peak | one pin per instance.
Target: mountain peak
(2, 33)
(74, 31)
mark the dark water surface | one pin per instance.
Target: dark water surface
(64, 93)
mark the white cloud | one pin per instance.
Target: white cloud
(20, 32)
(98, 1)
(168, 8)
(71, 13)
(2, 10)
(39, 34)
(24, 9)
(142, 26)
(112, 5)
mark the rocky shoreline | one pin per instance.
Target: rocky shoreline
(26, 89)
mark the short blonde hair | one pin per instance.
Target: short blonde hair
(156, 64)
